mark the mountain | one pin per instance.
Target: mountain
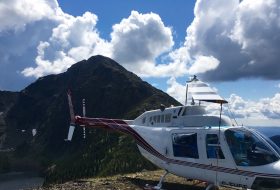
(7, 100)
(110, 91)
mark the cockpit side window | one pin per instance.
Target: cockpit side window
(247, 149)
(213, 147)
(185, 145)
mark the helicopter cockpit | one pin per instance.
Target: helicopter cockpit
(250, 148)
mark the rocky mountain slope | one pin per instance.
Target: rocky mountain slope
(110, 91)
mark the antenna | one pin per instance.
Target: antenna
(84, 115)
(220, 122)
(187, 88)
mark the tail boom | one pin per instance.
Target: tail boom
(113, 124)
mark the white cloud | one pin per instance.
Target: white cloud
(243, 37)
(203, 64)
(24, 23)
(15, 14)
(270, 107)
(136, 43)
(74, 39)
(263, 109)
(138, 40)
(176, 90)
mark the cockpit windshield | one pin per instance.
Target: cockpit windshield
(273, 133)
(249, 149)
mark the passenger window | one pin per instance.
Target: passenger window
(144, 120)
(162, 118)
(167, 118)
(185, 145)
(158, 119)
(155, 118)
(213, 148)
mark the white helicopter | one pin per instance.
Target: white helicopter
(188, 142)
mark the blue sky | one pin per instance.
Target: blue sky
(232, 45)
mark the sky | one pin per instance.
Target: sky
(233, 45)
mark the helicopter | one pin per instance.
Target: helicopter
(188, 142)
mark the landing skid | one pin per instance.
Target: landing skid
(159, 185)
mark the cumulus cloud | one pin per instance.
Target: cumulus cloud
(74, 39)
(270, 107)
(138, 40)
(243, 37)
(23, 25)
(15, 14)
(135, 43)
(203, 64)
(38, 38)
(176, 90)
(264, 108)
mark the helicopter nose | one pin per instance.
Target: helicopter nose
(271, 182)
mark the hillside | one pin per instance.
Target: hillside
(7, 100)
(110, 91)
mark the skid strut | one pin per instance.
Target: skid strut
(212, 187)
(159, 185)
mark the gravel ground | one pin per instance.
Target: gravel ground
(135, 181)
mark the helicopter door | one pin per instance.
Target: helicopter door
(214, 155)
(213, 148)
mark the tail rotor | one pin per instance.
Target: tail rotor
(84, 115)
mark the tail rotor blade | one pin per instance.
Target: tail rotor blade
(72, 116)
(70, 132)
(71, 108)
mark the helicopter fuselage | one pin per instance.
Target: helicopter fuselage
(188, 142)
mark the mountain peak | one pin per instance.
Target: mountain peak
(109, 90)
(97, 61)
